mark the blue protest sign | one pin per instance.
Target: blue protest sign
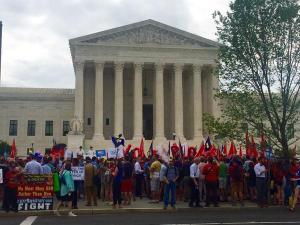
(100, 153)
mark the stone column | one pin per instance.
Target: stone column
(79, 66)
(76, 139)
(118, 98)
(159, 104)
(138, 102)
(178, 101)
(213, 82)
(197, 101)
(98, 132)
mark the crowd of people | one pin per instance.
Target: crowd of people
(201, 181)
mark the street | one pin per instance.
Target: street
(273, 215)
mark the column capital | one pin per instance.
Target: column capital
(138, 65)
(178, 66)
(119, 66)
(99, 63)
(197, 67)
(159, 66)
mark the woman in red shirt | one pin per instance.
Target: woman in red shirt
(11, 187)
(211, 173)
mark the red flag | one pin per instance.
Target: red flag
(127, 149)
(232, 150)
(253, 152)
(141, 149)
(57, 151)
(200, 151)
(213, 151)
(175, 150)
(136, 153)
(241, 151)
(154, 152)
(13, 150)
(218, 153)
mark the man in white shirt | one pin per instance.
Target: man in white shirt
(139, 177)
(91, 152)
(68, 154)
(194, 175)
(80, 152)
(261, 183)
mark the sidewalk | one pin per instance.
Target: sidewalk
(138, 206)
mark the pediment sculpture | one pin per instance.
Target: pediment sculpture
(147, 34)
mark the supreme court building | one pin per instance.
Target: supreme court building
(143, 79)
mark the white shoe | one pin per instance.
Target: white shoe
(71, 214)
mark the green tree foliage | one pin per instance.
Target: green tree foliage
(259, 65)
(4, 148)
(222, 128)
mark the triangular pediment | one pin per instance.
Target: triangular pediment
(148, 32)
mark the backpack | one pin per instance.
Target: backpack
(56, 182)
(236, 174)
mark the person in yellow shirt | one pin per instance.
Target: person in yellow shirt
(154, 179)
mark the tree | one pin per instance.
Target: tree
(223, 128)
(259, 65)
(4, 148)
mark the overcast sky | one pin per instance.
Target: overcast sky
(35, 49)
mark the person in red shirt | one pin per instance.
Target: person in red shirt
(277, 172)
(11, 187)
(211, 173)
(236, 173)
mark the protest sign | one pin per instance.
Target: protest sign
(115, 152)
(35, 192)
(100, 153)
(78, 172)
(1, 176)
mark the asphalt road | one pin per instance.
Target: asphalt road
(193, 216)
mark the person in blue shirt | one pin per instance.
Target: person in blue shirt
(117, 179)
(147, 177)
(171, 175)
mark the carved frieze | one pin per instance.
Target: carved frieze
(147, 34)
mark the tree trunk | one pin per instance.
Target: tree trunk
(285, 148)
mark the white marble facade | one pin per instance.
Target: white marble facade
(39, 105)
(143, 79)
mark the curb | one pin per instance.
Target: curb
(120, 211)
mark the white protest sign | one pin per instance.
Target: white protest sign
(115, 152)
(78, 172)
(1, 176)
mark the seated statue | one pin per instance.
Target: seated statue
(76, 126)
